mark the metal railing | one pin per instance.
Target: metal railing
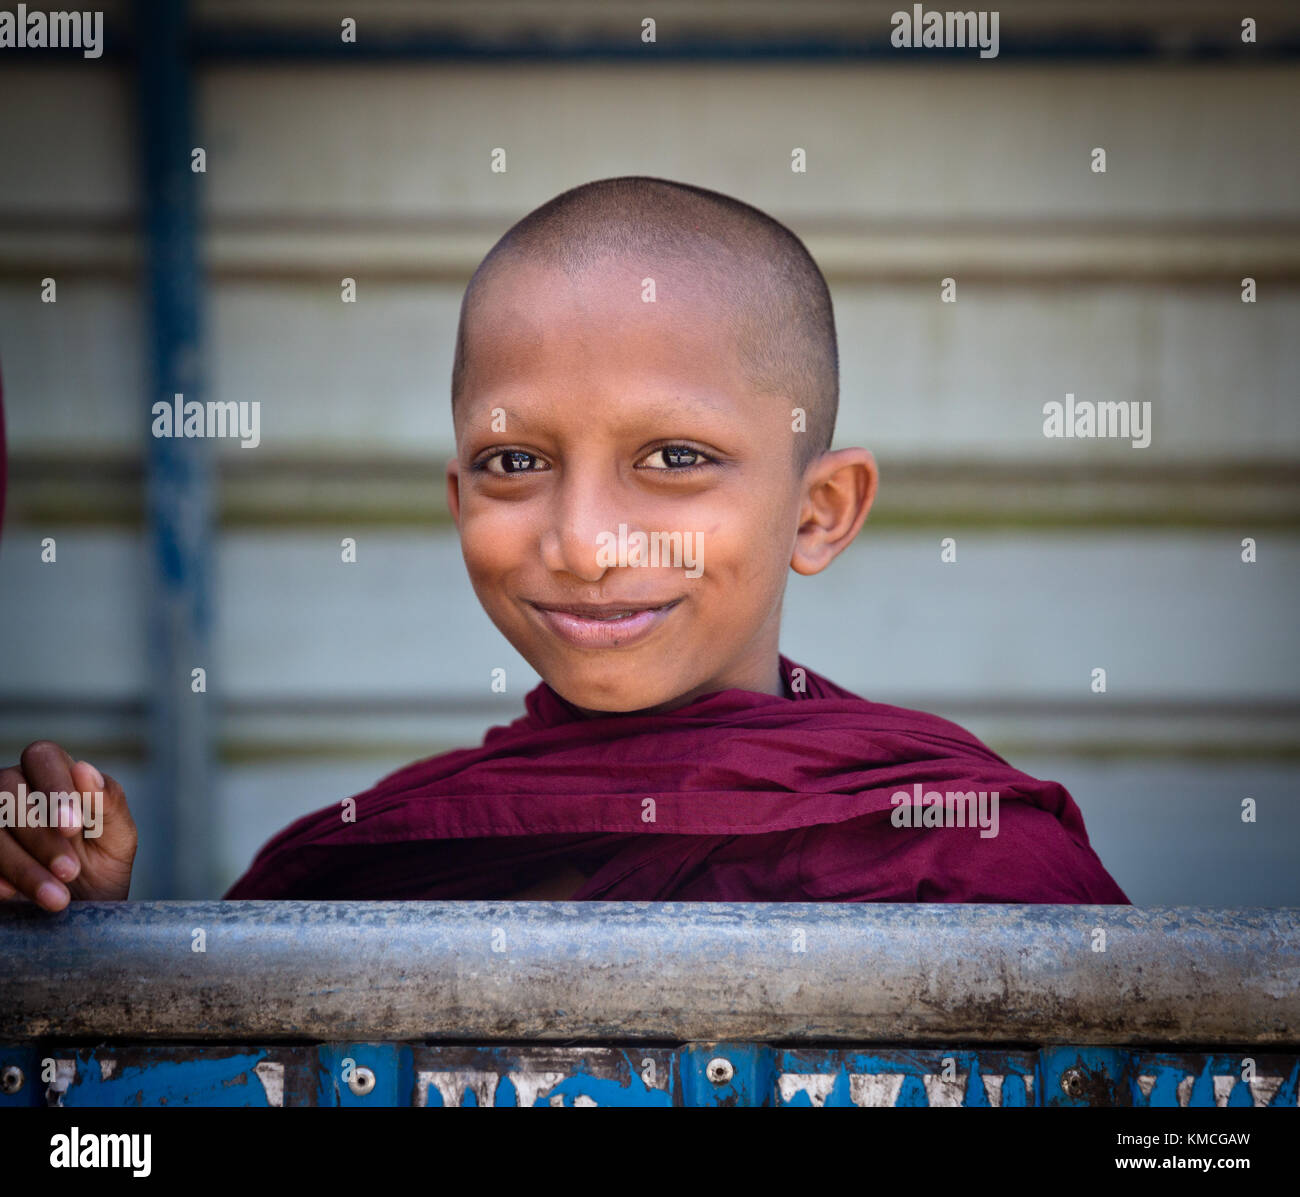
(764, 1002)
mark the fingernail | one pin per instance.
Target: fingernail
(51, 893)
(64, 868)
(99, 777)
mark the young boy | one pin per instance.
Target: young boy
(644, 394)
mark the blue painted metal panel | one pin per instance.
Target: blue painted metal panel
(544, 1076)
(19, 1066)
(1089, 1076)
(1084, 1076)
(721, 1074)
(727, 1074)
(1161, 1079)
(934, 1076)
(189, 1075)
(364, 1074)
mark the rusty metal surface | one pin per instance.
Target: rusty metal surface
(628, 971)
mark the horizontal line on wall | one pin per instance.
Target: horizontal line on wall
(562, 16)
(431, 706)
(386, 250)
(401, 751)
(409, 728)
(345, 492)
(1140, 42)
(1094, 706)
(729, 31)
(232, 752)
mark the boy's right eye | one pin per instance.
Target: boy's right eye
(511, 461)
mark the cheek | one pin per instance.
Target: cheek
(492, 541)
(748, 547)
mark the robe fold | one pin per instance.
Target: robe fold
(737, 796)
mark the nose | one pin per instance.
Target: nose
(582, 507)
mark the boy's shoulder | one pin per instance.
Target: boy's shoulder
(804, 683)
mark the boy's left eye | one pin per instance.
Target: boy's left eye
(674, 457)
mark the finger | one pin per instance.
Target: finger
(47, 767)
(28, 876)
(67, 812)
(45, 844)
(9, 779)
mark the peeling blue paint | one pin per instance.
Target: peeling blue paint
(605, 1075)
(219, 1079)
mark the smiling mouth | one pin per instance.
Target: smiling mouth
(602, 625)
(603, 611)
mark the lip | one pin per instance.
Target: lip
(580, 623)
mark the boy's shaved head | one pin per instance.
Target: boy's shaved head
(765, 288)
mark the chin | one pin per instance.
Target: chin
(614, 686)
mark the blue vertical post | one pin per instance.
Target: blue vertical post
(177, 824)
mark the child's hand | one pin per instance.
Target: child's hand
(49, 865)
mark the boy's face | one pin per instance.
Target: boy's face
(610, 411)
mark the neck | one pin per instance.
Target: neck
(764, 680)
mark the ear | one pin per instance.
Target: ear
(453, 490)
(839, 490)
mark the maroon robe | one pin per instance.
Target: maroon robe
(737, 796)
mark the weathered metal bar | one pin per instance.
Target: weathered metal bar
(178, 807)
(630, 971)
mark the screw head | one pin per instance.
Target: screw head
(362, 1082)
(11, 1079)
(1073, 1083)
(719, 1070)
